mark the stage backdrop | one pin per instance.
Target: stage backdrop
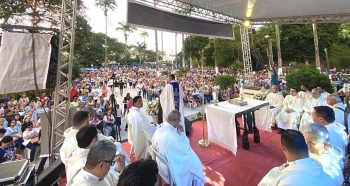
(141, 15)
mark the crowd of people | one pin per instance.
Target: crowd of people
(94, 95)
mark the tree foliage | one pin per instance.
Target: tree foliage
(339, 56)
(225, 81)
(308, 76)
(195, 44)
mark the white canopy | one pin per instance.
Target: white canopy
(283, 11)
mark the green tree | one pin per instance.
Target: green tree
(195, 44)
(140, 49)
(126, 29)
(143, 35)
(106, 5)
(225, 81)
(309, 76)
(297, 41)
(339, 55)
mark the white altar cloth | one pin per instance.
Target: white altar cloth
(222, 126)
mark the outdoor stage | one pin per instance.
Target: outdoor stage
(221, 167)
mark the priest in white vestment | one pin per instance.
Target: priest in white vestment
(309, 104)
(86, 138)
(215, 93)
(325, 116)
(99, 161)
(320, 149)
(300, 169)
(304, 92)
(139, 122)
(80, 119)
(289, 117)
(338, 107)
(275, 100)
(323, 91)
(70, 144)
(172, 99)
(172, 143)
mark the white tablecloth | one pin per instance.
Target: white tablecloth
(222, 126)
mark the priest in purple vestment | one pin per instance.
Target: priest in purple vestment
(172, 99)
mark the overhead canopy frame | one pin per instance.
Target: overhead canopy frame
(262, 12)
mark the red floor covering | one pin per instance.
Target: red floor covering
(221, 167)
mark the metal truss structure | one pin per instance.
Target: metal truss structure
(247, 60)
(195, 11)
(304, 20)
(65, 59)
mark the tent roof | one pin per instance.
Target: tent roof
(282, 11)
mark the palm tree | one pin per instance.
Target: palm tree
(143, 35)
(126, 29)
(140, 48)
(106, 5)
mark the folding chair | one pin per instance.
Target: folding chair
(164, 170)
(149, 150)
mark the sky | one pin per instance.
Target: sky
(97, 22)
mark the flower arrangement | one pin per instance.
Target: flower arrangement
(152, 108)
(262, 94)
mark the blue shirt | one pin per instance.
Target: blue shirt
(7, 154)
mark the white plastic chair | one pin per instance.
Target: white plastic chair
(163, 166)
(149, 150)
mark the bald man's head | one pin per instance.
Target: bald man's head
(315, 93)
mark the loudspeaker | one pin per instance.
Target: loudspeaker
(52, 71)
(188, 124)
(257, 62)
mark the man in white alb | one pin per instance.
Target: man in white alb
(323, 91)
(309, 104)
(139, 122)
(275, 100)
(289, 117)
(320, 149)
(99, 161)
(338, 107)
(300, 169)
(172, 99)
(304, 92)
(325, 116)
(172, 143)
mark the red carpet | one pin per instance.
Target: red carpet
(221, 167)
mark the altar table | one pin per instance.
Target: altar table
(222, 126)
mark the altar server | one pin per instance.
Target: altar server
(139, 122)
(173, 144)
(300, 169)
(275, 100)
(320, 149)
(325, 116)
(308, 106)
(289, 117)
(172, 99)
